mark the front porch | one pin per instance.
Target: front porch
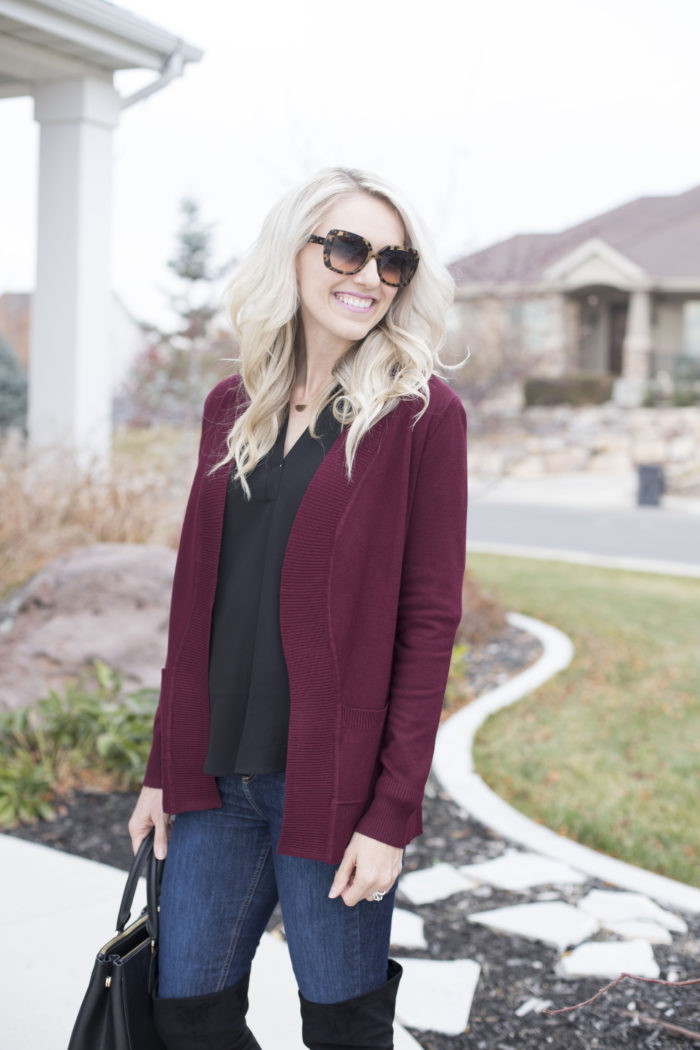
(65, 54)
(645, 336)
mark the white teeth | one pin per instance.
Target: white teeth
(353, 300)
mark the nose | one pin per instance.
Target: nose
(368, 276)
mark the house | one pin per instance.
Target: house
(618, 295)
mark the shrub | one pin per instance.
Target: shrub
(582, 388)
(51, 505)
(92, 735)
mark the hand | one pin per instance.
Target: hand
(148, 813)
(367, 866)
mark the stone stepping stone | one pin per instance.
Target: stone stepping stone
(610, 906)
(433, 884)
(518, 870)
(437, 995)
(407, 929)
(553, 922)
(609, 959)
(640, 929)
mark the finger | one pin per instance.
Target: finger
(343, 876)
(137, 833)
(160, 843)
(353, 895)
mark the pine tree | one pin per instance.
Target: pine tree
(13, 389)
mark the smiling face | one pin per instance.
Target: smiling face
(336, 309)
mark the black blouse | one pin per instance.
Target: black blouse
(248, 683)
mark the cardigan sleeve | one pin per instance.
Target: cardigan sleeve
(429, 612)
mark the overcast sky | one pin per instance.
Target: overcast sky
(496, 117)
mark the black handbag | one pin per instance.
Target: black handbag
(117, 1011)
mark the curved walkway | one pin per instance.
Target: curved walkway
(453, 765)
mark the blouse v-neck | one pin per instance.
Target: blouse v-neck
(248, 682)
(326, 422)
(285, 426)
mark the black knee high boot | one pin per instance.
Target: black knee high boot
(363, 1023)
(206, 1022)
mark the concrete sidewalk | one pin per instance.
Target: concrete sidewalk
(57, 910)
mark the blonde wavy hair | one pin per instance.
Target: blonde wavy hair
(393, 362)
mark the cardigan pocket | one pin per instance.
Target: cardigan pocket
(357, 755)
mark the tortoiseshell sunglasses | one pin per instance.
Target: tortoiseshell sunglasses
(347, 253)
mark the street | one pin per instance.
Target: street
(648, 533)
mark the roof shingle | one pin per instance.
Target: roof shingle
(660, 234)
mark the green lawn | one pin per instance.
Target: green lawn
(608, 751)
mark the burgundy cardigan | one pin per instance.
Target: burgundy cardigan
(370, 602)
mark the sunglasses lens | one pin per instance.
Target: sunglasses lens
(397, 267)
(348, 252)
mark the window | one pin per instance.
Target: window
(531, 321)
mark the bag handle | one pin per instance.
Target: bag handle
(144, 856)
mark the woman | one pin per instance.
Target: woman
(316, 598)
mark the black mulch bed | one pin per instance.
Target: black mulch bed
(513, 969)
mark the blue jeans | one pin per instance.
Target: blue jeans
(222, 880)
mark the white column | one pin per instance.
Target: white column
(69, 376)
(636, 349)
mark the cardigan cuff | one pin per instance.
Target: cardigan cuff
(388, 820)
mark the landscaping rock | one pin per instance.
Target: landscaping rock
(518, 870)
(407, 930)
(640, 930)
(108, 602)
(433, 884)
(590, 440)
(552, 922)
(610, 906)
(437, 995)
(609, 959)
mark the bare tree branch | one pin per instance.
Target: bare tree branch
(632, 977)
(675, 1028)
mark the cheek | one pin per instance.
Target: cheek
(391, 296)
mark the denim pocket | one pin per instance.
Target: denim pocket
(359, 744)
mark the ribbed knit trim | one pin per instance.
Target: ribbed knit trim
(304, 614)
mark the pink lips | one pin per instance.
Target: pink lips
(355, 309)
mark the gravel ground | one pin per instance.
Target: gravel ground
(513, 969)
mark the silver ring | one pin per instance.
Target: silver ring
(377, 895)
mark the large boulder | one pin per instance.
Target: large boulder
(108, 602)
